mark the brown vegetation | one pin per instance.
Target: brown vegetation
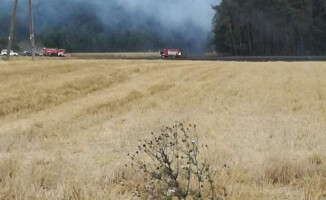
(66, 126)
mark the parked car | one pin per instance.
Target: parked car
(28, 53)
(4, 53)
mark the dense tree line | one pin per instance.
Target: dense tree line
(270, 27)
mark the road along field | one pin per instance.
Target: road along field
(67, 125)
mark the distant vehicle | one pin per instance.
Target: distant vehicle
(4, 53)
(54, 52)
(28, 53)
(172, 53)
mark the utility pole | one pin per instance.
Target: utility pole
(12, 29)
(31, 27)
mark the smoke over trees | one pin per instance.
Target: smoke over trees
(115, 25)
(240, 27)
(273, 27)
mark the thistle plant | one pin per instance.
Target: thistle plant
(172, 166)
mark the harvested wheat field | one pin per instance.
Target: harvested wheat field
(66, 126)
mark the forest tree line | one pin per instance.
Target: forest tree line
(270, 27)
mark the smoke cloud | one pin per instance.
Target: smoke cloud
(190, 20)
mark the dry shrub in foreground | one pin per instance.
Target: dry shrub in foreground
(173, 166)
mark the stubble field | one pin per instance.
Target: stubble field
(67, 125)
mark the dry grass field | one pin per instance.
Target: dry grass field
(67, 125)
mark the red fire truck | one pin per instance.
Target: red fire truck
(54, 52)
(172, 53)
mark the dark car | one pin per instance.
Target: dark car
(28, 53)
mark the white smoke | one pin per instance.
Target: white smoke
(191, 19)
